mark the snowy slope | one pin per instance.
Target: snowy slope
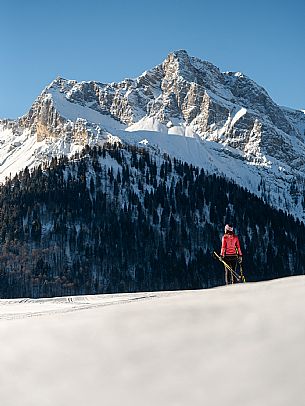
(240, 345)
(224, 161)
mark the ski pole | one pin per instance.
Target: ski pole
(227, 266)
(242, 274)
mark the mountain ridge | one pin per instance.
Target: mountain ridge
(231, 119)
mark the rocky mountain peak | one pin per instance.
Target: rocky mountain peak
(178, 63)
(191, 69)
(182, 96)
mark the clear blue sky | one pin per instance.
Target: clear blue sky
(114, 39)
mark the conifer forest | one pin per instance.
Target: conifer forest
(119, 218)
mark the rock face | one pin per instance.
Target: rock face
(222, 107)
(183, 95)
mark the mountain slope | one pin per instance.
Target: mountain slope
(226, 346)
(121, 219)
(228, 124)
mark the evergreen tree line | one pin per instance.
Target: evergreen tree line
(119, 219)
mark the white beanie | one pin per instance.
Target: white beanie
(228, 228)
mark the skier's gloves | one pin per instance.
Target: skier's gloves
(240, 259)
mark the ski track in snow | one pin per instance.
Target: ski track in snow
(12, 309)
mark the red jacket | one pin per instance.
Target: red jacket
(230, 245)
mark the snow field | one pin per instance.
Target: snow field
(235, 345)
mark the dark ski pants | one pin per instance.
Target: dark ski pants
(231, 260)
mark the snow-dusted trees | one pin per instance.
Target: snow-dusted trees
(119, 219)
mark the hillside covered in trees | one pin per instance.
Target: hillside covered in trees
(120, 219)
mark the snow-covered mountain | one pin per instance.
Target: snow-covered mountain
(223, 346)
(186, 107)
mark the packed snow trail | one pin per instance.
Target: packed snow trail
(21, 308)
(236, 345)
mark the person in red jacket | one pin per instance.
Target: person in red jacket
(230, 252)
